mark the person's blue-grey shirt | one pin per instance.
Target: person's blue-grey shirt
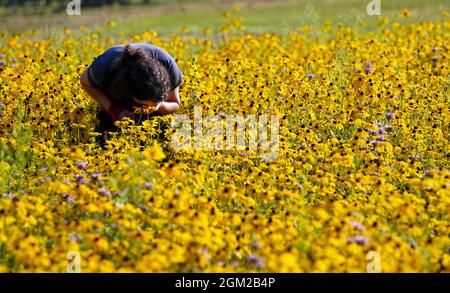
(99, 69)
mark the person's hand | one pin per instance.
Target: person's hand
(117, 112)
(148, 107)
(153, 108)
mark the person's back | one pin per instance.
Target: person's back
(128, 76)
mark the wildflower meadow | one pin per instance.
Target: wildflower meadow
(359, 181)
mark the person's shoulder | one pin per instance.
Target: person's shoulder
(109, 55)
(156, 52)
(114, 50)
(101, 65)
(147, 46)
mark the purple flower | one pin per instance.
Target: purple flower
(95, 176)
(417, 157)
(256, 260)
(360, 240)
(66, 181)
(380, 131)
(74, 237)
(149, 185)
(390, 115)
(221, 263)
(434, 49)
(80, 179)
(2, 56)
(45, 179)
(104, 191)
(389, 128)
(3, 63)
(82, 165)
(143, 207)
(310, 75)
(358, 226)
(12, 197)
(235, 264)
(223, 116)
(368, 68)
(45, 169)
(428, 173)
(380, 138)
(255, 245)
(68, 198)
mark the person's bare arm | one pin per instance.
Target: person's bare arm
(171, 103)
(93, 92)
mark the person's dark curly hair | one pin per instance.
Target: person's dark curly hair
(136, 74)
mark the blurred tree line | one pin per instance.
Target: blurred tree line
(60, 4)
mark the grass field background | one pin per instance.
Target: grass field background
(279, 16)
